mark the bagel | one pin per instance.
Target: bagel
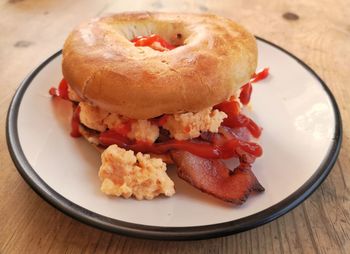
(213, 57)
(150, 89)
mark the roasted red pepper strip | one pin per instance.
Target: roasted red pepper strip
(247, 89)
(62, 90)
(260, 75)
(148, 41)
(245, 94)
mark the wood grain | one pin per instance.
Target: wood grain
(318, 32)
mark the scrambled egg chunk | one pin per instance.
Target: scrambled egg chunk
(181, 126)
(124, 174)
(98, 119)
(144, 130)
(113, 120)
(92, 116)
(141, 130)
(190, 125)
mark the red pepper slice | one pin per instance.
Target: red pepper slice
(148, 41)
(62, 90)
(245, 94)
(247, 89)
(260, 75)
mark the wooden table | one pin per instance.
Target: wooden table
(317, 31)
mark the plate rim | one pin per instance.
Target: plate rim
(162, 232)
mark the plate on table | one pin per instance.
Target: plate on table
(301, 140)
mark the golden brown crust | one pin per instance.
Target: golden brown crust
(101, 64)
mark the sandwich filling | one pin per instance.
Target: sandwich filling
(219, 132)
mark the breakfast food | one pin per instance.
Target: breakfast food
(170, 88)
(139, 175)
(208, 49)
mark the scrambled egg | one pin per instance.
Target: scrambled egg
(113, 120)
(124, 174)
(100, 120)
(190, 125)
(144, 130)
(92, 116)
(181, 126)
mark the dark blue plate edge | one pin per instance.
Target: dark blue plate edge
(166, 233)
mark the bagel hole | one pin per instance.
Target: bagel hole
(173, 33)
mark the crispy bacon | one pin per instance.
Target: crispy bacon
(213, 177)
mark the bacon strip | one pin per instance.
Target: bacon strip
(213, 177)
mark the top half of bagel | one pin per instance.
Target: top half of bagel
(213, 58)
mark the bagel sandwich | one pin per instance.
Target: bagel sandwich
(151, 89)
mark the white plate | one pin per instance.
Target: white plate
(301, 141)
